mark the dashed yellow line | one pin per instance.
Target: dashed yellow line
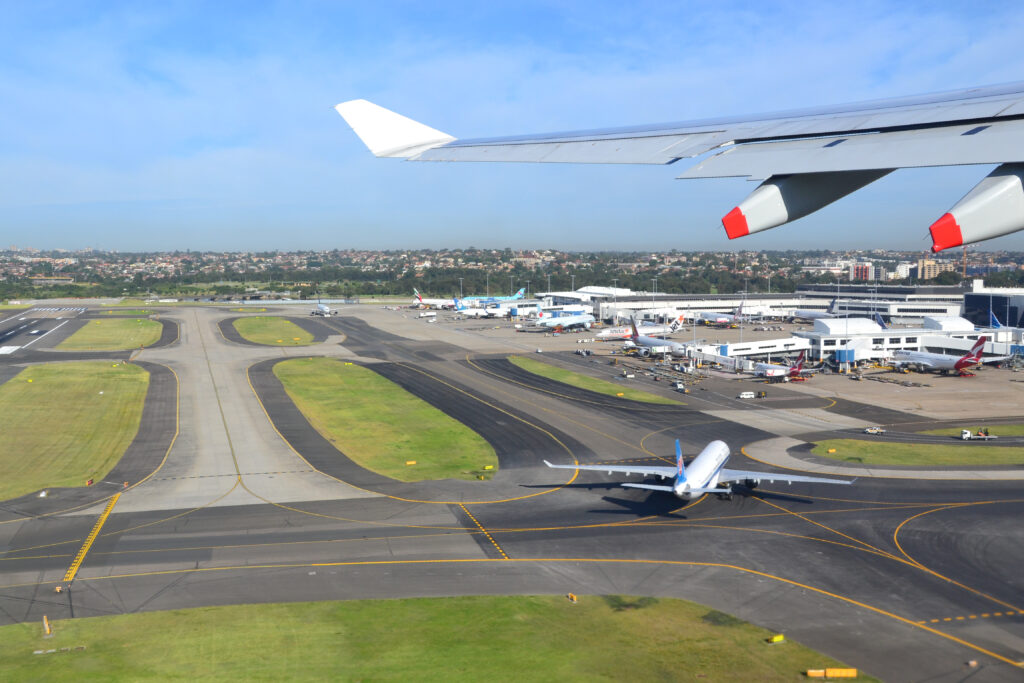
(84, 550)
(968, 617)
(481, 527)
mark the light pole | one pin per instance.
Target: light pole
(573, 276)
(549, 283)
(510, 285)
(527, 289)
(460, 287)
(488, 274)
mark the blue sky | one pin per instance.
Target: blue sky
(174, 125)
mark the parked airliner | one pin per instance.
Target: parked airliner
(705, 474)
(625, 332)
(945, 362)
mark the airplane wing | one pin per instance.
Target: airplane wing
(665, 471)
(742, 475)
(809, 158)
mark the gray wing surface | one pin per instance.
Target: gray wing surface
(743, 475)
(807, 158)
(913, 123)
(661, 471)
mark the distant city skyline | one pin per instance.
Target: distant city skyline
(209, 127)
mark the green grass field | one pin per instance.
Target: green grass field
(579, 381)
(532, 638)
(113, 335)
(64, 423)
(1000, 430)
(882, 453)
(127, 311)
(272, 331)
(381, 426)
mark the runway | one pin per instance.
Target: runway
(904, 580)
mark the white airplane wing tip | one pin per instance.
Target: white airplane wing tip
(388, 134)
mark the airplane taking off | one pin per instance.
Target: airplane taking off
(802, 314)
(806, 158)
(626, 332)
(944, 362)
(703, 475)
(433, 303)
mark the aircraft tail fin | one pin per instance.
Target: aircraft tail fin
(881, 323)
(388, 134)
(419, 296)
(459, 306)
(520, 293)
(993, 321)
(832, 305)
(973, 357)
(632, 323)
(798, 366)
(680, 469)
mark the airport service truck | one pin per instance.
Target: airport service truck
(982, 435)
(428, 314)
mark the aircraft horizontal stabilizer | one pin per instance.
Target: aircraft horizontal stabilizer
(651, 487)
(388, 134)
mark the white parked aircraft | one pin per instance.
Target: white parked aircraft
(712, 318)
(811, 314)
(807, 158)
(706, 474)
(567, 322)
(465, 310)
(646, 343)
(433, 303)
(625, 332)
(773, 370)
(945, 362)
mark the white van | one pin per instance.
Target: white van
(746, 394)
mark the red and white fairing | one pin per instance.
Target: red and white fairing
(993, 208)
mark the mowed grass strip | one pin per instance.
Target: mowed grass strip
(1000, 430)
(882, 453)
(64, 423)
(381, 426)
(272, 331)
(127, 311)
(113, 335)
(579, 381)
(611, 638)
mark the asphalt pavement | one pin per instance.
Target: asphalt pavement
(906, 580)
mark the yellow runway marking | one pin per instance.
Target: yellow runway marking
(895, 539)
(84, 550)
(481, 527)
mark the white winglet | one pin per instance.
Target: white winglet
(388, 134)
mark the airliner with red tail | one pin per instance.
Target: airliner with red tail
(945, 362)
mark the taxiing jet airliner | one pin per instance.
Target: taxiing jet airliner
(704, 475)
